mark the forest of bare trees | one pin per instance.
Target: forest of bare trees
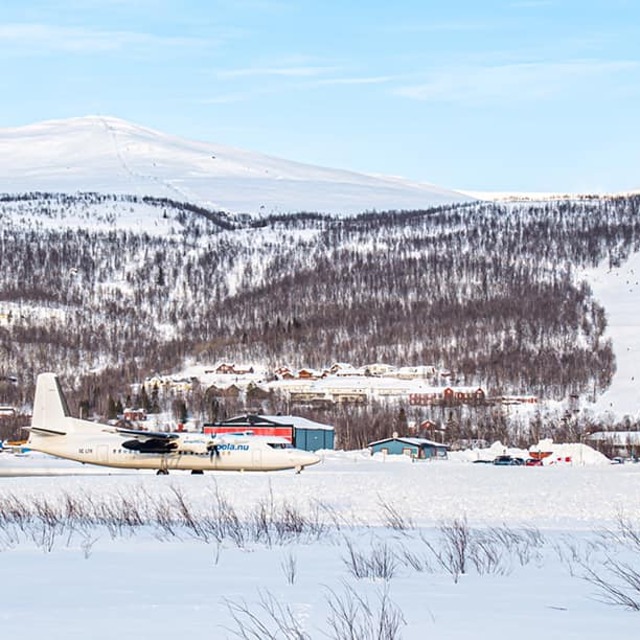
(489, 291)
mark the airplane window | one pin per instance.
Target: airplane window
(280, 445)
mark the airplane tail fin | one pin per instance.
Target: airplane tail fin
(50, 409)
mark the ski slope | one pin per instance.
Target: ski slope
(109, 155)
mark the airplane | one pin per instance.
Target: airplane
(54, 431)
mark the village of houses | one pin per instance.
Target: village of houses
(342, 383)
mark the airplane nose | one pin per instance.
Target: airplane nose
(306, 459)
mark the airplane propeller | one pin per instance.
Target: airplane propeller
(213, 450)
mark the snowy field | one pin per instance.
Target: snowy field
(445, 550)
(617, 290)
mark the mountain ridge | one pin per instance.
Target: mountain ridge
(109, 155)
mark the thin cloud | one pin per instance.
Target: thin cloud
(230, 98)
(107, 4)
(38, 38)
(530, 4)
(258, 5)
(451, 26)
(284, 71)
(353, 81)
(522, 81)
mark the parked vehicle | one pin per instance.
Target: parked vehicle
(533, 462)
(508, 461)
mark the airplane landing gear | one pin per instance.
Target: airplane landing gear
(197, 472)
(162, 472)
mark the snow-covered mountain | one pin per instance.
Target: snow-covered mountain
(109, 155)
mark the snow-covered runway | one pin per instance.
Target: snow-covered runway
(355, 485)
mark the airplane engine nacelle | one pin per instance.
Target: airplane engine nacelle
(195, 444)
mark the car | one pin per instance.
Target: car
(508, 461)
(533, 462)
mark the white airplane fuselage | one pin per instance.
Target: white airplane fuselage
(55, 432)
(234, 453)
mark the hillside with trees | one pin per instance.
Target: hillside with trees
(106, 290)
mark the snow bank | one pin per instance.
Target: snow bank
(575, 453)
(572, 453)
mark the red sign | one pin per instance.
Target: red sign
(282, 432)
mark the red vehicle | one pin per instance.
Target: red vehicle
(533, 462)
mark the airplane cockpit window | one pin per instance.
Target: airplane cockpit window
(280, 445)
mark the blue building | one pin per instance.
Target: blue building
(417, 448)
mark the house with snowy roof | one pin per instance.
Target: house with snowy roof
(416, 448)
(616, 443)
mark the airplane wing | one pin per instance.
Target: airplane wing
(147, 435)
(149, 441)
(45, 432)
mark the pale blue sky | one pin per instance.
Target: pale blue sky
(492, 95)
